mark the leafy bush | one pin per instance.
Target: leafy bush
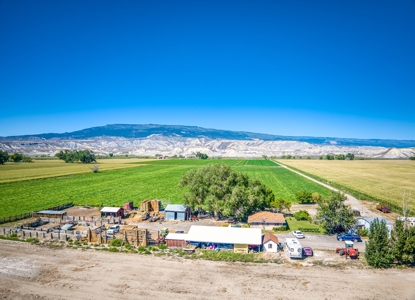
(147, 252)
(309, 229)
(163, 247)
(302, 215)
(280, 228)
(116, 243)
(141, 248)
(363, 232)
(127, 246)
(112, 249)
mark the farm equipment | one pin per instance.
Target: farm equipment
(383, 208)
(348, 250)
(162, 236)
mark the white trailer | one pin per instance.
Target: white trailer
(294, 248)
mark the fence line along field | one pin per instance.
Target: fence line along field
(11, 172)
(115, 187)
(382, 179)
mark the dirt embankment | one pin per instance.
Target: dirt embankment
(34, 272)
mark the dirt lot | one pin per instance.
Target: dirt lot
(35, 272)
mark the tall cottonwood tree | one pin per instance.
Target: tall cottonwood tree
(220, 189)
(377, 253)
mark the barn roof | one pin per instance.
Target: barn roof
(225, 235)
(177, 236)
(51, 212)
(176, 207)
(110, 209)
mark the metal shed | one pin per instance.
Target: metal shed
(177, 212)
(49, 214)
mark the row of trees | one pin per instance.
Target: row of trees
(220, 189)
(71, 156)
(349, 156)
(200, 155)
(16, 157)
(382, 251)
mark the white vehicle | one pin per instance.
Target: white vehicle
(294, 248)
(298, 234)
(113, 229)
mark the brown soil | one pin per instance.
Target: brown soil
(35, 272)
(79, 211)
(372, 207)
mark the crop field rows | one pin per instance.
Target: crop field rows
(150, 181)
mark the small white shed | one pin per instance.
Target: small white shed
(269, 242)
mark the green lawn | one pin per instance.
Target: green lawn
(298, 225)
(151, 181)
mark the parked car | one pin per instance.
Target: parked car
(113, 229)
(349, 237)
(308, 251)
(298, 234)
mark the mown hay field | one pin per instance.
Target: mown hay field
(380, 179)
(39, 169)
(114, 187)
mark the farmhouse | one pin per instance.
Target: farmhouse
(177, 212)
(269, 242)
(112, 211)
(266, 220)
(364, 223)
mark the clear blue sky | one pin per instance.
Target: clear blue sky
(315, 68)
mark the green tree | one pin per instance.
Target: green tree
(329, 157)
(302, 215)
(303, 197)
(403, 243)
(201, 155)
(280, 204)
(340, 157)
(377, 251)
(412, 158)
(4, 157)
(16, 157)
(220, 189)
(111, 155)
(315, 197)
(350, 156)
(86, 156)
(334, 215)
(69, 156)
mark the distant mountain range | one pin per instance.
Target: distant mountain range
(134, 131)
(150, 139)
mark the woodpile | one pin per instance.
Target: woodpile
(150, 206)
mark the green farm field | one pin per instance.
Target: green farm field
(384, 180)
(150, 181)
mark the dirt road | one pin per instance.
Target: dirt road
(35, 272)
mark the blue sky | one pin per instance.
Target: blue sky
(305, 68)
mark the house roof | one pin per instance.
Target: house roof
(225, 235)
(266, 217)
(176, 207)
(269, 237)
(370, 220)
(51, 212)
(110, 209)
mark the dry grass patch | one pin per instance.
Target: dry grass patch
(381, 179)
